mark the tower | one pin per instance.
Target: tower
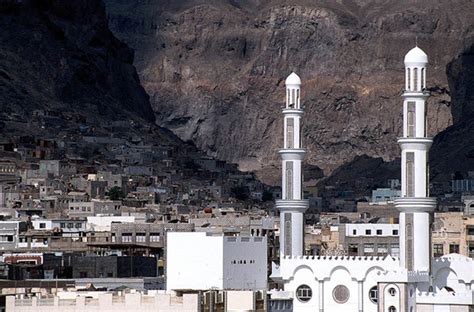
(292, 205)
(415, 205)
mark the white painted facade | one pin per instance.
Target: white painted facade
(416, 281)
(371, 229)
(199, 261)
(104, 223)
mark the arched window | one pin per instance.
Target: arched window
(304, 293)
(392, 309)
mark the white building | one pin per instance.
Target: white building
(414, 282)
(199, 261)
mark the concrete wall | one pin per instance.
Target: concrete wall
(194, 261)
(198, 261)
(245, 263)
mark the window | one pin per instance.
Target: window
(62, 225)
(470, 230)
(42, 225)
(140, 237)
(410, 174)
(354, 232)
(289, 180)
(290, 129)
(353, 249)
(126, 237)
(392, 291)
(453, 248)
(154, 237)
(368, 232)
(392, 309)
(340, 294)
(304, 293)
(70, 225)
(379, 232)
(78, 225)
(395, 232)
(411, 119)
(113, 238)
(382, 249)
(374, 294)
(437, 250)
(368, 249)
(470, 248)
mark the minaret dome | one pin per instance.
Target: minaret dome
(416, 56)
(293, 80)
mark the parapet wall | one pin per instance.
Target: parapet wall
(106, 303)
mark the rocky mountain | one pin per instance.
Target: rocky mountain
(60, 56)
(215, 73)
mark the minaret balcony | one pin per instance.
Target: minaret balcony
(423, 93)
(416, 204)
(292, 153)
(292, 110)
(292, 205)
(421, 143)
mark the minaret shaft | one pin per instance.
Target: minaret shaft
(292, 205)
(415, 205)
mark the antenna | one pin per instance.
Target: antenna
(416, 40)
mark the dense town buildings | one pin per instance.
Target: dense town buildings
(150, 226)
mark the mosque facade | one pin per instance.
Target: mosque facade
(414, 281)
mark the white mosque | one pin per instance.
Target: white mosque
(414, 282)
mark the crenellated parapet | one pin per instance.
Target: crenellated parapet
(322, 267)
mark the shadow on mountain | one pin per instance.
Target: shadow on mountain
(363, 174)
(453, 148)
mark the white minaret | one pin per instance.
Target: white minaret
(415, 205)
(292, 205)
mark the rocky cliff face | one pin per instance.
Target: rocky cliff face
(60, 56)
(215, 70)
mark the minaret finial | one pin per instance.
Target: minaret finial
(416, 40)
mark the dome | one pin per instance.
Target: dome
(293, 79)
(416, 55)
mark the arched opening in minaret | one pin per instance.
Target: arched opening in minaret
(410, 174)
(297, 98)
(289, 180)
(411, 119)
(423, 79)
(415, 79)
(293, 96)
(408, 79)
(290, 133)
(409, 243)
